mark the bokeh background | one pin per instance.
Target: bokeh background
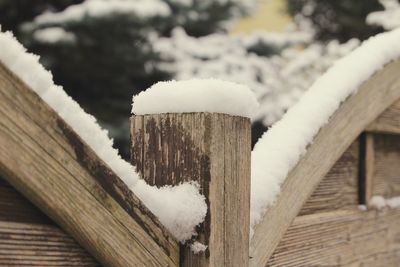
(104, 51)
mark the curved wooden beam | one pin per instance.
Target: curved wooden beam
(44, 159)
(353, 116)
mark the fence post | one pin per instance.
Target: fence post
(214, 150)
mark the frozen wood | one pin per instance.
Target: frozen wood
(214, 150)
(341, 238)
(44, 159)
(353, 116)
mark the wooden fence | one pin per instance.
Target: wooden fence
(315, 221)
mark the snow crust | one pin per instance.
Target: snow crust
(196, 95)
(280, 148)
(179, 208)
(102, 8)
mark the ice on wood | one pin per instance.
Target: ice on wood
(280, 148)
(196, 95)
(179, 208)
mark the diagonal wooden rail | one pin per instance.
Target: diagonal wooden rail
(353, 116)
(42, 157)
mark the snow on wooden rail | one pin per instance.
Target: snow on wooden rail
(367, 95)
(52, 166)
(158, 200)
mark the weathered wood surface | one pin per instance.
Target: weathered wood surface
(214, 150)
(42, 157)
(388, 121)
(27, 244)
(29, 238)
(339, 188)
(386, 165)
(367, 168)
(16, 208)
(341, 238)
(353, 116)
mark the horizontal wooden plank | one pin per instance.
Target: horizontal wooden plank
(46, 161)
(345, 125)
(23, 244)
(338, 189)
(15, 207)
(341, 238)
(388, 121)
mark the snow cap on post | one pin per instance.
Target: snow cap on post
(196, 95)
(199, 131)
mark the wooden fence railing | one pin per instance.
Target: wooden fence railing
(349, 121)
(48, 163)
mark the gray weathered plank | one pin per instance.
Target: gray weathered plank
(47, 162)
(27, 244)
(214, 150)
(388, 121)
(341, 238)
(386, 166)
(16, 208)
(339, 188)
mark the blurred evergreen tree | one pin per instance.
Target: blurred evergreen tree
(15, 12)
(109, 57)
(339, 19)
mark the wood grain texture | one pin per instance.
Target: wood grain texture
(352, 117)
(16, 208)
(386, 166)
(44, 159)
(214, 150)
(338, 189)
(369, 167)
(27, 244)
(341, 238)
(388, 121)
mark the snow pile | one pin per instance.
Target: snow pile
(54, 35)
(278, 81)
(196, 95)
(179, 208)
(280, 148)
(362, 207)
(379, 202)
(102, 8)
(389, 18)
(198, 247)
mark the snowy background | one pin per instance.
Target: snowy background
(105, 51)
